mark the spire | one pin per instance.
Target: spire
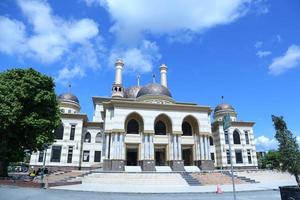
(153, 78)
(222, 99)
(138, 79)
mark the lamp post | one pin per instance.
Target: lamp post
(226, 126)
(45, 147)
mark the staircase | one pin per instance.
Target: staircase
(243, 178)
(138, 179)
(189, 179)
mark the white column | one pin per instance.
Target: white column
(106, 145)
(202, 147)
(144, 155)
(175, 147)
(205, 148)
(198, 150)
(170, 147)
(151, 147)
(208, 148)
(112, 143)
(163, 75)
(118, 76)
(179, 147)
(121, 146)
(146, 144)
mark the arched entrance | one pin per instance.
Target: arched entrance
(189, 128)
(134, 125)
(162, 128)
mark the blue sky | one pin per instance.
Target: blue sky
(245, 50)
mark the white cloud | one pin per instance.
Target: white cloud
(49, 38)
(264, 143)
(136, 17)
(12, 36)
(176, 20)
(69, 73)
(298, 140)
(258, 44)
(291, 59)
(262, 54)
(141, 58)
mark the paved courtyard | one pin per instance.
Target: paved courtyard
(17, 193)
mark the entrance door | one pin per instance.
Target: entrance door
(131, 157)
(187, 156)
(160, 157)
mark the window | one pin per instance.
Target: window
(238, 156)
(87, 137)
(86, 156)
(160, 128)
(226, 138)
(236, 138)
(228, 156)
(41, 156)
(59, 132)
(69, 111)
(247, 138)
(97, 156)
(249, 156)
(212, 156)
(72, 134)
(186, 129)
(133, 127)
(98, 138)
(70, 154)
(211, 141)
(55, 154)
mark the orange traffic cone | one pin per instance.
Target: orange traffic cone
(219, 190)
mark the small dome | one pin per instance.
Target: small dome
(68, 97)
(132, 92)
(154, 89)
(224, 107)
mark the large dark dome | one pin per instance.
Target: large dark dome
(224, 107)
(132, 92)
(154, 89)
(68, 97)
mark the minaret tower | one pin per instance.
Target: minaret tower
(163, 75)
(117, 88)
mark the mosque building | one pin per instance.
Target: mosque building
(145, 127)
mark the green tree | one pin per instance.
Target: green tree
(271, 160)
(288, 148)
(28, 114)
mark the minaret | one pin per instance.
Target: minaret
(117, 88)
(163, 75)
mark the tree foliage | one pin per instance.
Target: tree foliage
(28, 113)
(288, 148)
(271, 160)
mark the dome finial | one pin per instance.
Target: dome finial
(222, 99)
(138, 79)
(153, 78)
(69, 87)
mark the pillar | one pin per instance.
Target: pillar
(163, 75)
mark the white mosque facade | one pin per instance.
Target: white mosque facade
(145, 127)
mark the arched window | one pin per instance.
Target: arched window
(59, 132)
(186, 129)
(236, 138)
(160, 128)
(98, 138)
(133, 127)
(87, 137)
(211, 141)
